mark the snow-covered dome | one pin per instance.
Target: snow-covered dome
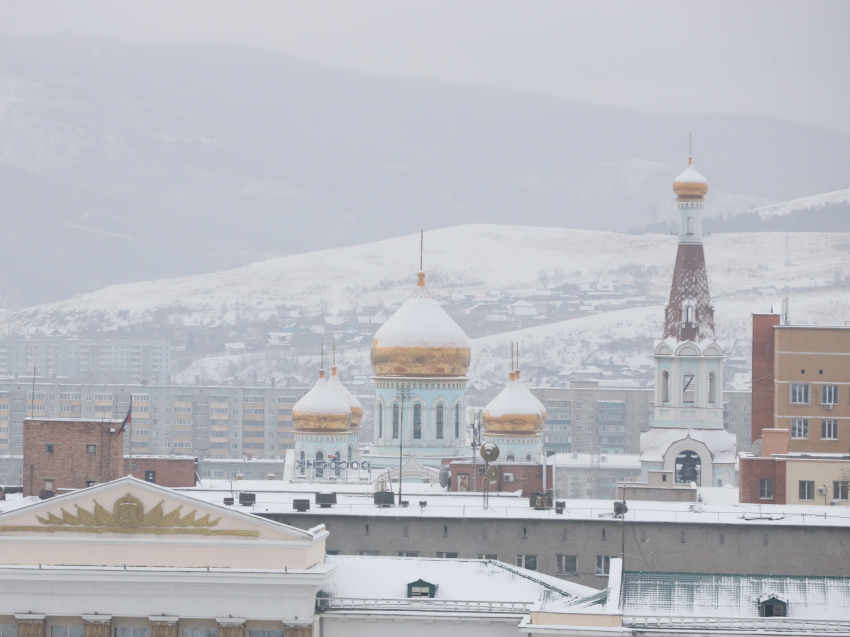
(321, 409)
(515, 410)
(690, 184)
(420, 339)
(347, 397)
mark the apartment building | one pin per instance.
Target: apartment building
(586, 417)
(121, 361)
(203, 421)
(811, 383)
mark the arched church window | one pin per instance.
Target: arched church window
(380, 421)
(688, 468)
(350, 453)
(439, 422)
(690, 225)
(457, 421)
(528, 457)
(688, 388)
(337, 470)
(712, 389)
(511, 457)
(417, 421)
(303, 463)
(665, 387)
(320, 463)
(396, 414)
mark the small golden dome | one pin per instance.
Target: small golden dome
(321, 409)
(514, 411)
(347, 397)
(420, 339)
(690, 184)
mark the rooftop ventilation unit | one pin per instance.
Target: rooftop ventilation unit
(247, 499)
(301, 505)
(384, 498)
(325, 500)
(228, 501)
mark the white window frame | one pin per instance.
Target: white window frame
(806, 490)
(829, 394)
(829, 430)
(560, 565)
(800, 429)
(800, 394)
(764, 493)
(603, 565)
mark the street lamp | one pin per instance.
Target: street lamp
(403, 393)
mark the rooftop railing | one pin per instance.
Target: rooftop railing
(420, 604)
(778, 624)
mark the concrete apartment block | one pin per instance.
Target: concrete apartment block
(67, 453)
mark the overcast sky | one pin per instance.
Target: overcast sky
(783, 59)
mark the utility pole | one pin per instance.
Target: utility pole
(403, 393)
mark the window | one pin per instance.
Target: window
(712, 389)
(303, 463)
(197, 632)
(448, 556)
(396, 414)
(457, 421)
(829, 395)
(380, 421)
(766, 489)
(510, 458)
(408, 553)
(800, 428)
(131, 632)
(688, 388)
(361, 552)
(420, 591)
(665, 387)
(8, 630)
(807, 490)
(840, 490)
(320, 463)
(829, 429)
(566, 564)
(603, 564)
(488, 556)
(799, 393)
(67, 631)
(772, 608)
(439, 422)
(49, 448)
(417, 421)
(91, 449)
(267, 633)
(48, 485)
(527, 561)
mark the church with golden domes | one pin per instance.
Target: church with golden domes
(420, 357)
(514, 420)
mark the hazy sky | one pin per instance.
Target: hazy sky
(777, 58)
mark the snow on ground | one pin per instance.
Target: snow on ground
(805, 203)
(471, 259)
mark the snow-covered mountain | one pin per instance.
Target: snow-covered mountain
(813, 202)
(173, 159)
(482, 262)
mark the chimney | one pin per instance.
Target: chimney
(774, 441)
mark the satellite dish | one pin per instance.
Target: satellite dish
(620, 508)
(489, 451)
(445, 476)
(494, 473)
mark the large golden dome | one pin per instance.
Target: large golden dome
(690, 184)
(347, 397)
(420, 339)
(321, 409)
(514, 411)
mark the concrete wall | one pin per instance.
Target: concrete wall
(657, 494)
(70, 466)
(753, 470)
(763, 372)
(757, 548)
(528, 477)
(169, 472)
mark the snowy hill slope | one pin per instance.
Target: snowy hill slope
(471, 259)
(805, 203)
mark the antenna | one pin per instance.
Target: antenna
(512, 357)
(421, 247)
(334, 359)
(322, 355)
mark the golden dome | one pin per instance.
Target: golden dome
(347, 397)
(690, 184)
(321, 409)
(420, 339)
(514, 411)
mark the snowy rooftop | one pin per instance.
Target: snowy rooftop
(618, 460)
(722, 595)
(473, 580)
(275, 496)
(719, 442)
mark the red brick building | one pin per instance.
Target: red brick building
(515, 476)
(763, 377)
(70, 453)
(166, 471)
